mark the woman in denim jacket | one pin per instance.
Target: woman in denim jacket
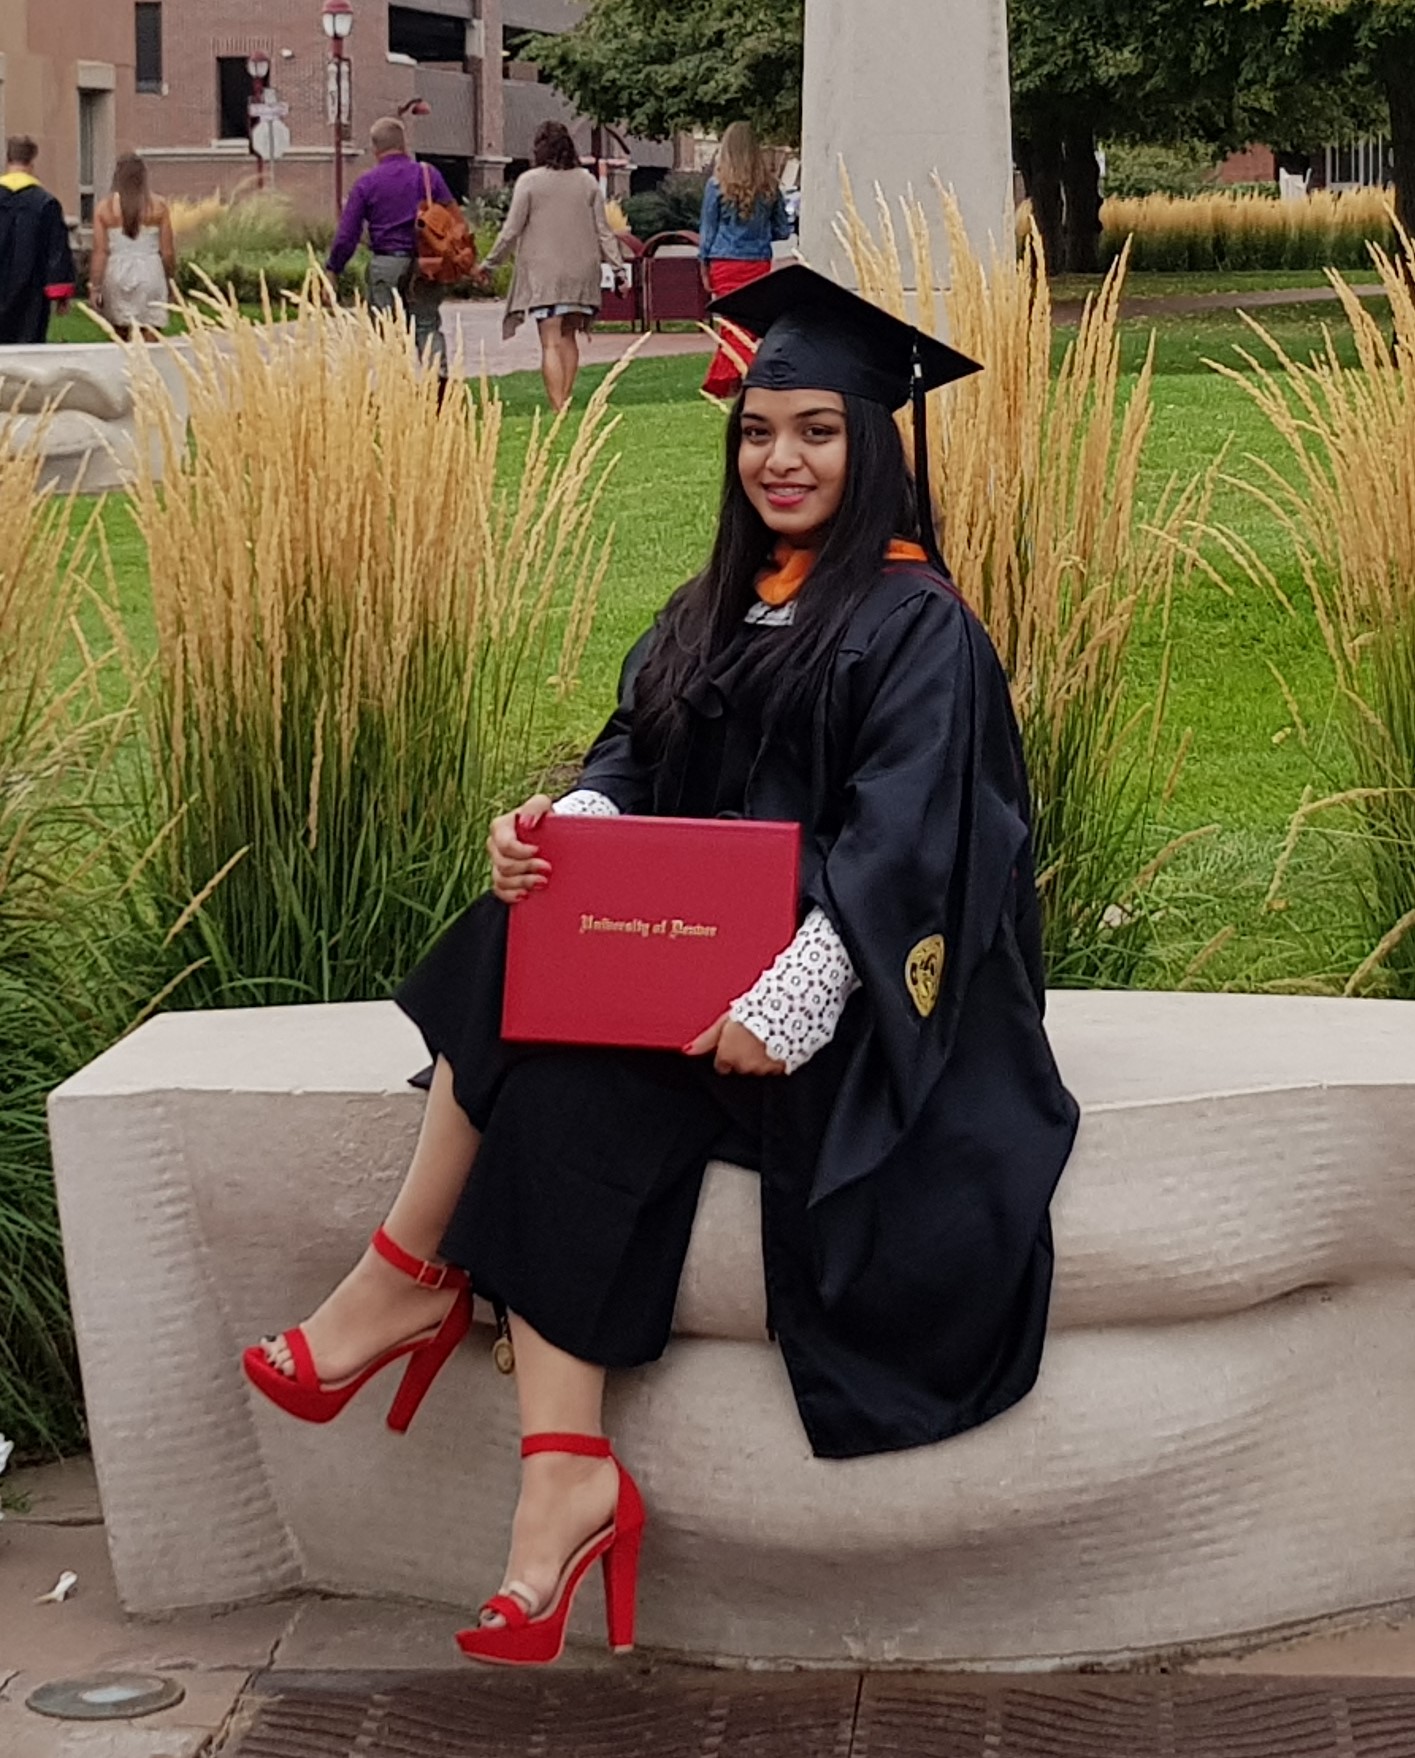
(743, 214)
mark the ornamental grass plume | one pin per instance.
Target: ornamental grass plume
(1345, 492)
(360, 603)
(1037, 473)
(1245, 231)
(47, 741)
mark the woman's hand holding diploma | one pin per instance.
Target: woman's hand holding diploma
(734, 1049)
(516, 870)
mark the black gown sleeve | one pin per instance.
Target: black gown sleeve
(60, 274)
(926, 859)
(612, 766)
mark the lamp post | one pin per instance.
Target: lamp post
(337, 18)
(258, 67)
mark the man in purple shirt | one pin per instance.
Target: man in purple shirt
(385, 200)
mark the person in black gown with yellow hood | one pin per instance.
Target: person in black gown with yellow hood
(889, 1076)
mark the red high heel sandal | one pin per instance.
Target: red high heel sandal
(524, 1640)
(305, 1395)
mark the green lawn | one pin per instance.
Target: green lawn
(1154, 284)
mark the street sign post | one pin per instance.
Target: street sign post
(336, 18)
(270, 139)
(258, 71)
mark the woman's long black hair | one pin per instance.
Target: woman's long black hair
(702, 617)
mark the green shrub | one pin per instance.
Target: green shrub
(283, 272)
(1185, 168)
(260, 224)
(485, 232)
(489, 209)
(675, 206)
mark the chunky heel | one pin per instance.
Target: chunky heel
(621, 1588)
(425, 1365)
(305, 1395)
(523, 1639)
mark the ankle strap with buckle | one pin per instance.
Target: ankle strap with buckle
(591, 1446)
(418, 1269)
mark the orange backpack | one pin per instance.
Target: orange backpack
(445, 249)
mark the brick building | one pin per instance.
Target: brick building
(65, 71)
(90, 77)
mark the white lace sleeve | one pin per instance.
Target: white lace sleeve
(584, 802)
(796, 1004)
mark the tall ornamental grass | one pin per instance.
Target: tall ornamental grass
(1344, 489)
(1226, 231)
(258, 223)
(1037, 474)
(361, 603)
(260, 237)
(46, 744)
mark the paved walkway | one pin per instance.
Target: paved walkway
(475, 325)
(263, 1680)
(1142, 305)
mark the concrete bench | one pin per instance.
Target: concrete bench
(75, 401)
(1222, 1443)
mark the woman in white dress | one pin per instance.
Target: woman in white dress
(134, 254)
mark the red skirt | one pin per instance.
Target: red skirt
(725, 275)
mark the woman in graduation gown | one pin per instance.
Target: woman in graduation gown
(889, 1076)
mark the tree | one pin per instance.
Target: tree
(1293, 73)
(1156, 71)
(657, 66)
(1371, 42)
(1089, 70)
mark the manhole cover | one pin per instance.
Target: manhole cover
(105, 1696)
(681, 1713)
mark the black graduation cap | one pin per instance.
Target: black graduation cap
(819, 336)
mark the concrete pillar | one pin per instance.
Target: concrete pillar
(900, 89)
(491, 159)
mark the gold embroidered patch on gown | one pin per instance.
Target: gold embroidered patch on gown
(923, 974)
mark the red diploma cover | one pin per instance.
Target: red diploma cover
(649, 928)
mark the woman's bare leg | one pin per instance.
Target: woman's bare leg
(376, 1306)
(552, 361)
(565, 1498)
(569, 357)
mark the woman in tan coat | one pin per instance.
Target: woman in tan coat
(559, 233)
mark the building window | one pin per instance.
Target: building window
(89, 103)
(515, 53)
(148, 59)
(234, 92)
(429, 37)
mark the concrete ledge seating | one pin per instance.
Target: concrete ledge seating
(76, 401)
(1222, 1443)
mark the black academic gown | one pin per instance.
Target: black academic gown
(908, 1167)
(36, 263)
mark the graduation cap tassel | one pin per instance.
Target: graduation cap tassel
(928, 535)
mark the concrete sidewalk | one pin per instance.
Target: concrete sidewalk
(474, 325)
(232, 1663)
